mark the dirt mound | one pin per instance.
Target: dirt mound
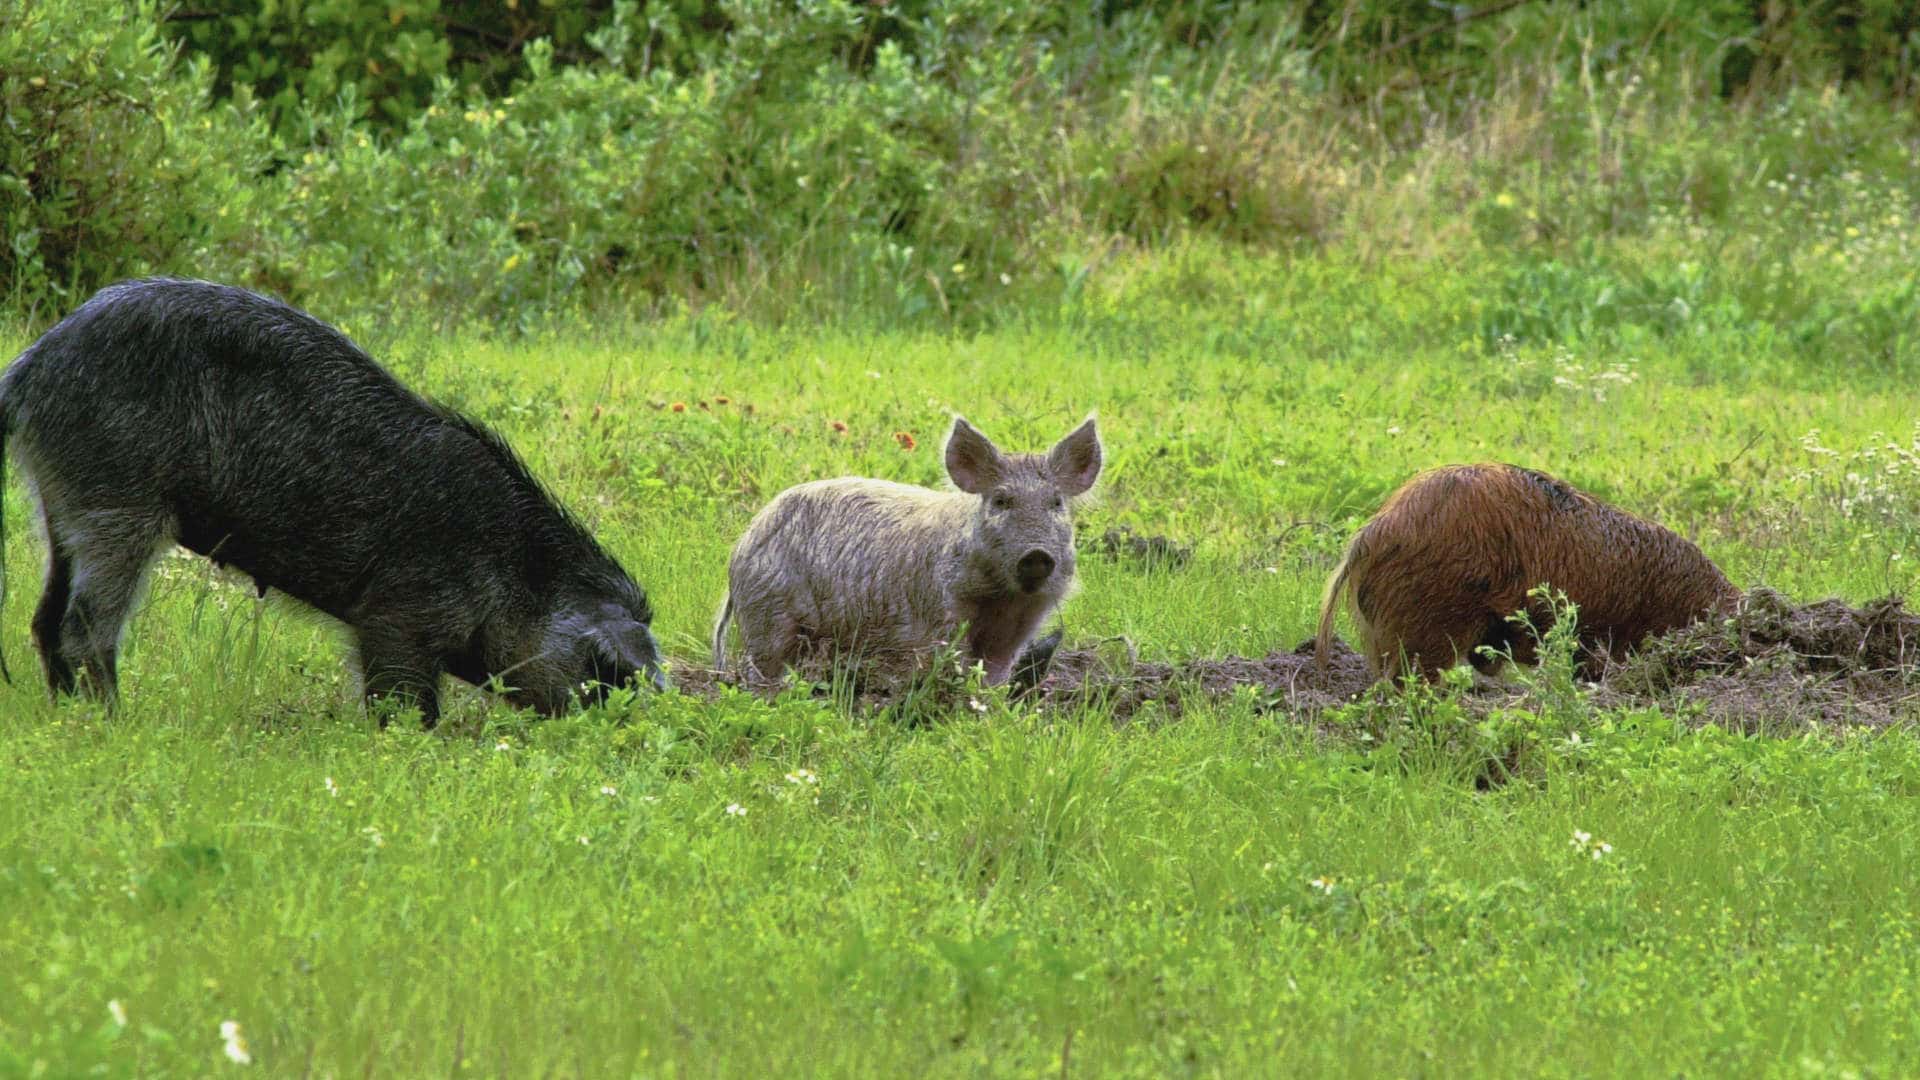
(1770, 666)
(1772, 661)
(1151, 550)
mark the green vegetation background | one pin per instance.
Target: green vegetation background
(687, 254)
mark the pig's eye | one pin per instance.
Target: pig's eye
(1002, 502)
(1058, 502)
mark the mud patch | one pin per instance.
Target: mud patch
(1124, 544)
(1290, 681)
(1109, 677)
(1771, 666)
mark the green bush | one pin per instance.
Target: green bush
(960, 159)
(112, 161)
(617, 175)
(390, 53)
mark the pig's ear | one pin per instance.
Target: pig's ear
(1075, 460)
(972, 459)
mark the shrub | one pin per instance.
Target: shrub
(111, 161)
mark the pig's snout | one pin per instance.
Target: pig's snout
(1033, 570)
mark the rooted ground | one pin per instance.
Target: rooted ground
(1770, 665)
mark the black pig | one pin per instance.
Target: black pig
(166, 411)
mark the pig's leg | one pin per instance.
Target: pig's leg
(48, 617)
(1032, 666)
(770, 638)
(109, 553)
(394, 667)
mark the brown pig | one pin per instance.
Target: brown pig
(871, 568)
(1434, 575)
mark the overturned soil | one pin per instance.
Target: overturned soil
(1122, 544)
(1772, 661)
(1770, 666)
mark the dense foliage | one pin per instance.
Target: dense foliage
(937, 159)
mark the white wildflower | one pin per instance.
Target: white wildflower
(734, 809)
(1584, 843)
(236, 1043)
(117, 1011)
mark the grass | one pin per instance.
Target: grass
(1013, 893)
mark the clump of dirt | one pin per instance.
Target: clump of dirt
(1124, 543)
(1826, 636)
(1769, 666)
(1122, 685)
(701, 681)
(1771, 661)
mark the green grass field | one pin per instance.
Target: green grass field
(677, 886)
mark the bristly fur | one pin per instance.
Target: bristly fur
(167, 411)
(540, 508)
(1455, 551)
